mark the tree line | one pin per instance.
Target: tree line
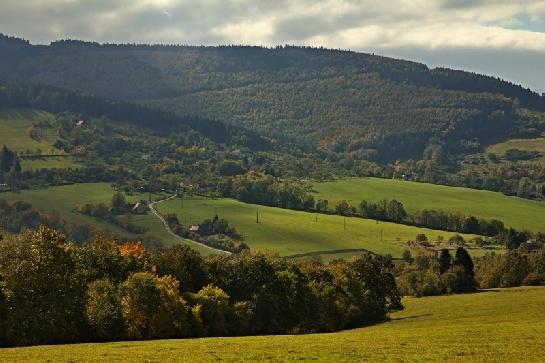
(394, 211)
(425, 275)
(216, 233)
(18, 216)
(104, 291)
(515, 268)
(267, 190)
(119, 212)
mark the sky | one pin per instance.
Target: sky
(504, 38)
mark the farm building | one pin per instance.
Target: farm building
(194, 229)
(140, 208)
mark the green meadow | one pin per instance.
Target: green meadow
(289, 232)
(281, 231)
(49, 162)
(537, 144)
(13, 130)
(65, 198)
(14, 124)
(489, 326)
(516, 212)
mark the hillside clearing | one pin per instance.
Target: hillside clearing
(14, 126)
(537, 144)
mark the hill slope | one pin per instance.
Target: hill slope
(516, 212)
(336, 101)
(289, 232)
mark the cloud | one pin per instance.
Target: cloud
(390, 27)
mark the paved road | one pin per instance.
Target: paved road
(169, 230)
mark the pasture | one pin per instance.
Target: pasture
(14, 124)
(503, 325)
(65, 198)
(515, 212)
(49, 162)
(537, 144)
(289, 232)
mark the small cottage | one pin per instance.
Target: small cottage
(140, 208)
(194, 229)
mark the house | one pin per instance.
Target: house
(140, 208)
(532, 245)
(194, 229)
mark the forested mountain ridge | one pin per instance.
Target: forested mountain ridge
(341, 104)
(56, 100)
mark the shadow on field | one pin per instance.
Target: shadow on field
(411, 317)
(477, 291)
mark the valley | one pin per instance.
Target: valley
(165, 202)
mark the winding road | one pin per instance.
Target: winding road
(169, 230)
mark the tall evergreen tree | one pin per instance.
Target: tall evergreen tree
(463, 259)
(445, 260)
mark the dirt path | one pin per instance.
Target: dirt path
(169, 230)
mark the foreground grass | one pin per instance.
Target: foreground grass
(504, 325)
(515, 212)
(65, 198)
(289, 232)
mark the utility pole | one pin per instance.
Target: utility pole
(256, 216)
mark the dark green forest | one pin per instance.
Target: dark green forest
(318, 100)
(53, 291)
(311, 111)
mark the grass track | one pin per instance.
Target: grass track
(516, 212)
(505, 325)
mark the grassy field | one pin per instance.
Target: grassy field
(516, 212)
(13, 133)
(65, 198)
(49, 162)
(521, 144)
(288, 232)
(481, 327)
